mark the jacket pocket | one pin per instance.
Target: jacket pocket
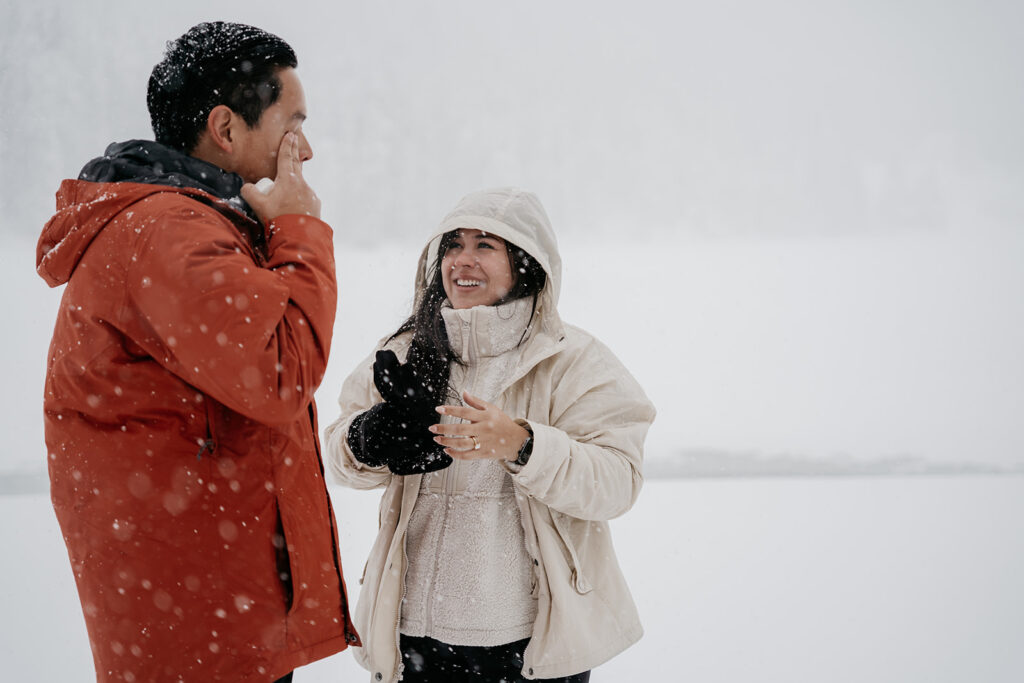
(284, 564)
(561, 523)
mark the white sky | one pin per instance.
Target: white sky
(800, 223)
(710, 118)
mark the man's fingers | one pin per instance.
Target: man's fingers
(295, 161)
(253, 197)
(290, 194)
(287, 156)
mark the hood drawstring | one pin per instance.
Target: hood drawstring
(206, 444)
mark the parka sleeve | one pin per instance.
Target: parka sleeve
(254, 337)
(358, 394)
(587, 457)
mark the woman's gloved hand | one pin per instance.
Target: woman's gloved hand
(395, 433)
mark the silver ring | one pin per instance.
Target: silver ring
(476, 444)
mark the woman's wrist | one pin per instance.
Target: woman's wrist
(525, 450)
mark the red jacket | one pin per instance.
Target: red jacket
(184, 462)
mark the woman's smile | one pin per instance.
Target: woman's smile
(475, 269)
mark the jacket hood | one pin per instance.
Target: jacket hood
(516, 216)
(127, 173)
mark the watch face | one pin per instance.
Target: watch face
(525, 451)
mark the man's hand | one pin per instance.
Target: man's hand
(290, 193)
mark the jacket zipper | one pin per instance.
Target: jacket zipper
(450, 477)
(208, 444)
(350, 636)
(399, 667)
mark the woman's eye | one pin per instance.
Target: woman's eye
(485, 245)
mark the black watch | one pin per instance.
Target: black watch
(525, 451)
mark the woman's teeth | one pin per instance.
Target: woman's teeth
(468, 283)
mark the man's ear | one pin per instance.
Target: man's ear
(219, 127)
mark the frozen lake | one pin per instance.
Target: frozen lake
(914, 579)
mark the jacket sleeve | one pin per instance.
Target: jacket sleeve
(587, 460)
(254, 337)
(357, 395)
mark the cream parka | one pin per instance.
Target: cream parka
(589, 418)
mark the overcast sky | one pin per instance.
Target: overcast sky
(707, 119)
(801, 223)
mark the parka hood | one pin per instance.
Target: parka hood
(127, 173)
(516, 216)
(83, 210)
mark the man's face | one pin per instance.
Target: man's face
(256, 154)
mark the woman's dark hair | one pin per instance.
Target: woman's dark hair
(211, 64)
(428, 327)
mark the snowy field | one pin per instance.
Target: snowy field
(743, 346)
(880, 580)
(799, 226)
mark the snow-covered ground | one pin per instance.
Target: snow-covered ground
(798, 226)
(851, 580)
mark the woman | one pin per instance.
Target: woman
(505, 440)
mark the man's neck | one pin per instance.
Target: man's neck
(211, 154)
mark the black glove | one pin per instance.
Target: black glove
(394, 433)
(419, 382)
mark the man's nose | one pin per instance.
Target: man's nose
(305, 149)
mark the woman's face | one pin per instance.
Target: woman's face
(475, 270)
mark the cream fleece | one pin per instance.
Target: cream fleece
(470, 577)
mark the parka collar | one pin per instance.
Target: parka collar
(153, 163)
(487, 331)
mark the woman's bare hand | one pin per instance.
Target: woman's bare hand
(487, 432)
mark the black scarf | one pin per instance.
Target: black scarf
(145, 161)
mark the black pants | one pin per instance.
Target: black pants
(431, 661)
(287, 678)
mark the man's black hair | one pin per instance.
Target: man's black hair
(211, 64)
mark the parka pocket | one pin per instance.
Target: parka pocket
(562, 523)
(284, 564)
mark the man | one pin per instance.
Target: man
(184, 462)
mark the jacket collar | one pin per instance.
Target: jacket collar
(487, 331)
(153, 163)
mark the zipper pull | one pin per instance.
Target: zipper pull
(208, 444)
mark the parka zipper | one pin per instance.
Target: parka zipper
(205, 445)
(399, 667)
(450, 475)
(209, 443)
